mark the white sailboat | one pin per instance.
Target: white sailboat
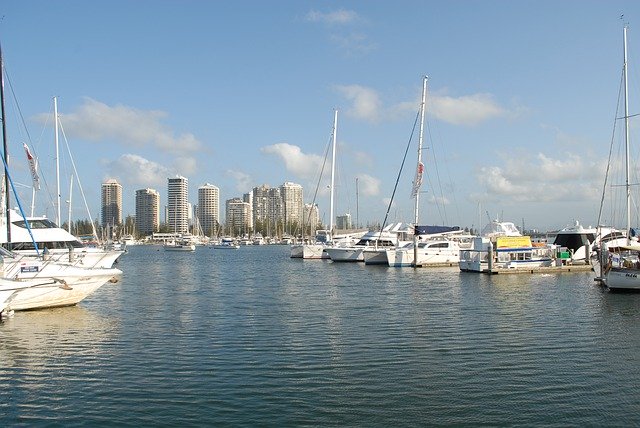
(40, 283)
(620, 266)
(316, 249)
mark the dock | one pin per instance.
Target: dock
(541, 269)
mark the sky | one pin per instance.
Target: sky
(521, 102)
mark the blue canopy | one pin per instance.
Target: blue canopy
(430, 230)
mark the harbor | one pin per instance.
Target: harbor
(252, 337)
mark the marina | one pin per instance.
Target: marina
(253, 337)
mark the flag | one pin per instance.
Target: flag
(418, 180)
(33, 165)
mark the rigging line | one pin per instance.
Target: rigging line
(315, 194)
(86, 205)
(26, 130)
(606, 175)
(438, 204)
(448, 171)
(404, 158)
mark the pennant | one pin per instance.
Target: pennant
(418, 180)
(33, 166)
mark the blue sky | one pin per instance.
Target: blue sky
(522, 96)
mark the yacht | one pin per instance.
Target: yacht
(370, 240)
(502, 246)
(433, 249)
(59, 244)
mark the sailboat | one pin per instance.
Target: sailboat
(37, 282)
(316, 249)
(620, 265)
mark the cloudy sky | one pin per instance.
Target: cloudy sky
(522, 97)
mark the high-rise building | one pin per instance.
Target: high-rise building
(237, 216)
(178, 204)
(292, 203)
(343, 222)
(111, 203)
(311, 217)
(147, 211)
(209, 209)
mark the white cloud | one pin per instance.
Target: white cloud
(244, 182)
(185, 165)
(128, 126)
(302, 165)
(137, 171)
(368, 185)
(338, 17)
(541, 178)
(366, 103)
(467, 109)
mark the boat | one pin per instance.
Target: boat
(501, 247)
(619, 265)
(11, 288)
(323, 238)
(437, 246)
(179, 245)
(580, 242)
(385, 238)
(377, 255)
(226, 244)
(59, 244)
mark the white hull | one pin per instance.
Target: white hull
(9, 289)
(309, 251)
(68, 290)
(403, 257)
(623, 279)
(226, 247)
(345, 254)
(375, 256)
(180, 247)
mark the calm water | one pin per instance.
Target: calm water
(252, 337)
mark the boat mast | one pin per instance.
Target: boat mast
(6, 153)
(55, 121)
(422, 109)
(333, 171)
(626, 135)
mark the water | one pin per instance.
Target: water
(252, 337)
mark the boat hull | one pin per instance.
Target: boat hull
(66, 291)
(345, 254)
(622, 279)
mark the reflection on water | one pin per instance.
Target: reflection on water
(254, 337)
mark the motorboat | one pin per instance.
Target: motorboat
(57, 242)
(433, 249)
(378, 240)
(503, 247)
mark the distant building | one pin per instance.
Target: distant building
(343, 221)
(209, 208)
(292, 203)
(178, 204)
(147, 211)
(111, 203)
(237, 215)
(311, 219)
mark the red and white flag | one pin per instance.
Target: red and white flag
(33, 166)
(417, 182)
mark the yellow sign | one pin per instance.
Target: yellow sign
(513, 242)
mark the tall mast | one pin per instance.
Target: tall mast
(626, 135)
(333, 170)
(6, 153)
(419, 166)
(55, 121)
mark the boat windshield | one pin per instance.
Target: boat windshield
(41, 223)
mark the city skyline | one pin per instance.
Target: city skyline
(520, 104)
